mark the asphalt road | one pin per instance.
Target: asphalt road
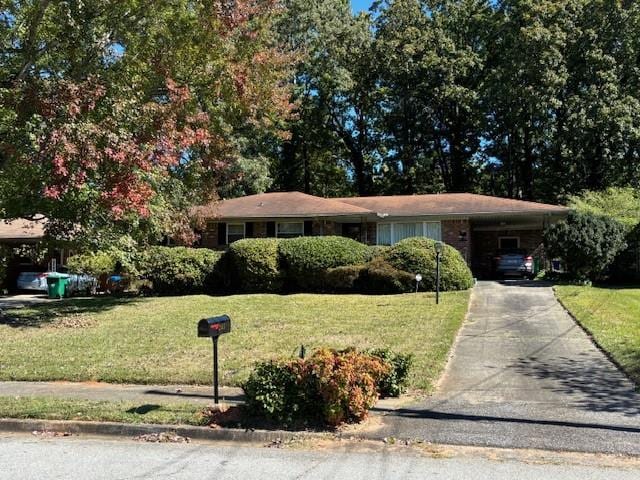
(29, 457)
(524, 374)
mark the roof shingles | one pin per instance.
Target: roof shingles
(296, 204)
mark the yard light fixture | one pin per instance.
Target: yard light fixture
(439, 248)
(418, 280)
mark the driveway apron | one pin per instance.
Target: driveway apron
(523, 374)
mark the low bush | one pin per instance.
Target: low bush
(255, 265)
(275, 391)
(586, 243)
(104, 262)
(380, 277)
(418, 255)
(330, 387)
(343, 279)
(376, 251)
(394, 383)
(178, 270)
(306, 259)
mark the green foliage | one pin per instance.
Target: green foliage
(394, 383)
(418, 255)
(178, 270)
(275, 391)
(305, 259)
(343, 279)
(380, 277)
(255, 264)
(587, 244)
(107, 261)
(622, 204)
(376, 251)
(331, 387)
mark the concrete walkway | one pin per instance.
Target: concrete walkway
(523, 374)
(126, 393)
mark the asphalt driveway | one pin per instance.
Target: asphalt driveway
(523, 374)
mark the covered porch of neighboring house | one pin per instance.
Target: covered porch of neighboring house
(22, 245)
(492, 233)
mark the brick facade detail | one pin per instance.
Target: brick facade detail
(457, 233)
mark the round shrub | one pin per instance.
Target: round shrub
(418, 255)
(305, 259)
(178, 270)
(380, 277)
(588, 244)
(255, 265)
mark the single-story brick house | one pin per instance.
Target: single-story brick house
(477, 225)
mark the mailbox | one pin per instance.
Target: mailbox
(214, 326)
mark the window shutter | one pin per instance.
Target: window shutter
(248, 230)
(308, 228)
(271, 229)
(222, 233)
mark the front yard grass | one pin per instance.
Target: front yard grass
(45, 408)
(153, 340)
(612, 316)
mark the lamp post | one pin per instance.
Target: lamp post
(418, 280)
(439, 249)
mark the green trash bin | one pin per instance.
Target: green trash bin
(57, 284)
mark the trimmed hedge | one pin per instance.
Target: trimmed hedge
(380, 277)
(255, 265)
(178, 270)
(343, 279)
(418, 255)
(306, 259)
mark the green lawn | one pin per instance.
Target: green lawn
(45, 408)
(612, 316)
(153, 340)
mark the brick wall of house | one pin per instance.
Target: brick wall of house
(457, 233)
(485, 246)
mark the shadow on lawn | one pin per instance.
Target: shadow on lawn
(50, 313)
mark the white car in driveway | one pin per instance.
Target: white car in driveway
(34, 281)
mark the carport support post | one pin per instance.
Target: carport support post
(215, 370)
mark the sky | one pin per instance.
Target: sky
(359, 5)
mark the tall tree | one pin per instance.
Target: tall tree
(120, 113)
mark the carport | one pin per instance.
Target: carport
(490, 233)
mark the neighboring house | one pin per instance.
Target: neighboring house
(23, 237)
(477, 225)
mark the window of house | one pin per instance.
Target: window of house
(392, 232)
(508, 243)
(235, 231)
(289, 229)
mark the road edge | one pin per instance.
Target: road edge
(114, 429)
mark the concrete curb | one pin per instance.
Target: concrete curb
(113, 429)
